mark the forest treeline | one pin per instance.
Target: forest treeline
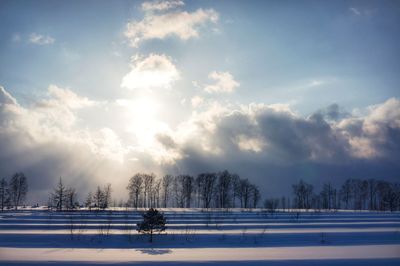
(213, 190)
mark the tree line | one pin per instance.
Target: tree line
(206, 190)
(212, 190)
(354, 194)
(13, 193)
(65, 198)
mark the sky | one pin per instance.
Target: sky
(276, 91)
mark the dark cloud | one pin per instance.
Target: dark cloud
(327, 146)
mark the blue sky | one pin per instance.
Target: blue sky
(269, 61)
(268, 45)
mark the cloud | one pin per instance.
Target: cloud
(355, 11)
(45, 141)
(358, 11)
(161, 5)
(280, 134)
(377, 134)
(153, 71)
(196, 101)
(224, 83)
(54, 119)
(182, 24)
(271, 144)
(39, 39)
(275, 146)
(6, 98)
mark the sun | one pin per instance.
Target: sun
(144, 115)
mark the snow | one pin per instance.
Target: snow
(195, 237)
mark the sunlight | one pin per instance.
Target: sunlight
(143, 120)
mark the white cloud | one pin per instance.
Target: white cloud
(54, 120)
(41, 39)
(151, 72)
(6, 98)
(196, 101)
(60, 96)
(161, 5)
(359, 11)
(184, 25)
(224, 82)
(355, 11)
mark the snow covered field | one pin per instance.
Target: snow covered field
(195, 237)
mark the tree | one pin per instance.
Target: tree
(71, 201)
(224, 189)
(256, 196)
(18, 188)
(372, 189)
(345, 192)
(206, 184)
(63, 197)
(271, 204)
(135, 188)
(179, 195)
(244, 192)
(157, 193)
(187, 189)
(3, 193)
(107, 196)
(98, 198)
(166, 184)
(235, 188)
(89, 201)
(153, 222)
(148, 187)
(303, 193)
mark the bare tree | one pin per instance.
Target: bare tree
(256, 196)
(244, 191)
(148, 187)
(89, 201)
(345, 192)
(389, 196)
(3, 193)
(179, 194)
(18, 188)
(271, 204)
(235, 188)
(303, 193)
(372, 188)
(156, 193)
(107, 196)
(224, 189)
(71, 201)
(283, 203)
(327, 195)
(187, 185)
(98, 198)
(135, 187)
(166, 184)
(206, 184)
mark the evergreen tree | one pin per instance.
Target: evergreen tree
(58, 197)
(153, 221)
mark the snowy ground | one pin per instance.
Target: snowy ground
(194, 237)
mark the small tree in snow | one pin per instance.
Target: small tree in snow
(153, 222)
